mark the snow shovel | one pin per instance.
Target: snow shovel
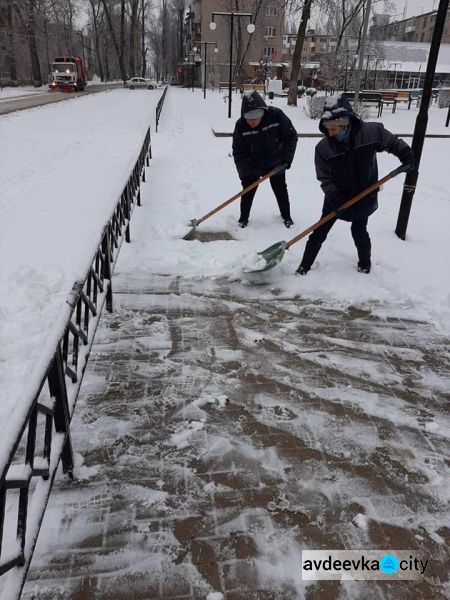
(194, 222)
(273, 255)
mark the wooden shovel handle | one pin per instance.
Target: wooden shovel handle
(333, 214)
(241, 193)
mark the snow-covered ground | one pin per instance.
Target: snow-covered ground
(64, 167)
(18, 92)
(63, 170)
(8, 93)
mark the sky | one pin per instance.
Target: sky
(398, 9)
(64, 167)
(408, 8)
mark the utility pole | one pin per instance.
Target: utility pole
(420, 129)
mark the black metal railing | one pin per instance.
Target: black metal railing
(160, 105)
(44, 438)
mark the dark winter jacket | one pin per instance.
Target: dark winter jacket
(257, 151)
(345, 169)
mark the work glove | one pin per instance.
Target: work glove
(409, 167)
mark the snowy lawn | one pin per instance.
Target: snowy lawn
(58, 190)
(7, 93)
(64, 168)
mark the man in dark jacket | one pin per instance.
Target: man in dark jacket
(263, 138)
(346, 163)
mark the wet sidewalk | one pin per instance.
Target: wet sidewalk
(223, 429)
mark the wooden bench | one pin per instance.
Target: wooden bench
(404, 96)
(388, 98)
(394, 97)
(224, 85)
(366, 98)
(257, 87)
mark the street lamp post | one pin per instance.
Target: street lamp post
(194, 50)
(189, 59)
(250, 29)
(369, 56)
(346, 69)
(264, 62)
(377, 60)
(395, 73)
(191, 63)
(205, 46)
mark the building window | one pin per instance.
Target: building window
(271, 11)
(269, 32)
(269, 52)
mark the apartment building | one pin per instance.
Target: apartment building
(314, 46)
(414, 29)
(257, 53)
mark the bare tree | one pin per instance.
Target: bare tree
(27, 12)
(97, 14)
(118, 45)
(297, 57)
(9, 50)
(256, 10)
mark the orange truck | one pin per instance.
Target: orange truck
(67, 74)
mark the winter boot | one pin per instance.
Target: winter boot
(301, 270)
(364, 266)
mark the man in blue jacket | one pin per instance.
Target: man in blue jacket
(263, 138)
(346, 163)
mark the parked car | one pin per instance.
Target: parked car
(141, 82)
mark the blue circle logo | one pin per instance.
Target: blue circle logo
(389, 564)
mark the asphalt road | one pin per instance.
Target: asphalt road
(46, 97)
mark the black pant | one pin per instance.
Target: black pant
(317, 238)
(279, 187)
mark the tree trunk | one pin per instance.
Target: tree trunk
(35, 65)
(133, 37)
(11, 54)
(297, 58)
(119, 50)
(98, 53)
(143, 49)
(107, 69)
(164, 40)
